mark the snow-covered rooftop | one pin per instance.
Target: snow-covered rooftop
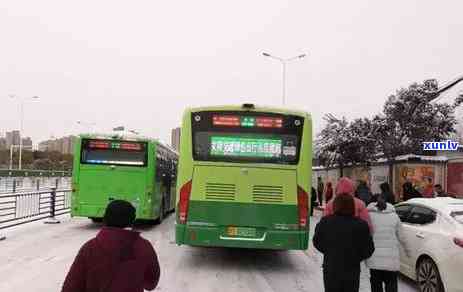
(422, 157)
(440, 158)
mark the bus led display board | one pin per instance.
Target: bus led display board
(99, 144)
(245, 147)
(247, 121)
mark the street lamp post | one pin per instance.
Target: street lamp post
(283, 64)
(435, 94)
(21, 113)
(11, 153)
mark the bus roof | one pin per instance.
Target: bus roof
(126, 136)
(115, 135)
(281, 110)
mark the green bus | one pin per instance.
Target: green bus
(128, 167)
(244, 178)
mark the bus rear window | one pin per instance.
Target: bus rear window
(113, 152)
(246, 137)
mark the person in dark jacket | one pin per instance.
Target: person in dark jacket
(439, 192)
(386, 193)
(320, 189)
(313, 200)
(363, 192)
(409, 192)
(118, 259)
(345, 241)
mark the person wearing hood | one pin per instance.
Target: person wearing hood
(384, 264)
(346, 186)
(118, 259)
(345, 241)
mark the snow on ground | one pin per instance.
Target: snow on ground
(36, 257)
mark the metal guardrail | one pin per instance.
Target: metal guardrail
(29, 184)
(34, 172)
(25, 207)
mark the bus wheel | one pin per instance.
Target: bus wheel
(96, 220)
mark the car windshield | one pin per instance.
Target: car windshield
(458, 216)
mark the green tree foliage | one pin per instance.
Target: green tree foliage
(37, 160)
(43, 164)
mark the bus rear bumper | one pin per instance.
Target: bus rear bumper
(214, 237)
(98, 211)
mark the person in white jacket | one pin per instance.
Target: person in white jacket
(384, 264)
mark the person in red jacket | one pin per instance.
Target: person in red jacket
(428, 190)
(328, 192)
(118, 259)
(346, 186)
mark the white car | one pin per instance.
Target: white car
(433, 231)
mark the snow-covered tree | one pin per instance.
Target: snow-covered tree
(341, 143)
(410, 117)
(330, 141)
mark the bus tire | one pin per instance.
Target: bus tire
(96, 220)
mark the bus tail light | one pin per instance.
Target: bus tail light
(303, 206)
(185, 192)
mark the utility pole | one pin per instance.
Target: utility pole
(21, 121)
(283, 64)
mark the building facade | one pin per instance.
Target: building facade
(27, 142)
(2, 143)
(68, 144)
(12, 138)
(64, 145)
(175, 139)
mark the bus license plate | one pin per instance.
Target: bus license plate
(241, 231)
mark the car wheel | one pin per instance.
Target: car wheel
(428, 276)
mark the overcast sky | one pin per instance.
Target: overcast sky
(140, 63)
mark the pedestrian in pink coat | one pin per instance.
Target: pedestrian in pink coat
(345, 186)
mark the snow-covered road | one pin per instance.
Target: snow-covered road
(36, 257)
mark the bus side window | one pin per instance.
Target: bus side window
(174, 169)
(158, 166)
